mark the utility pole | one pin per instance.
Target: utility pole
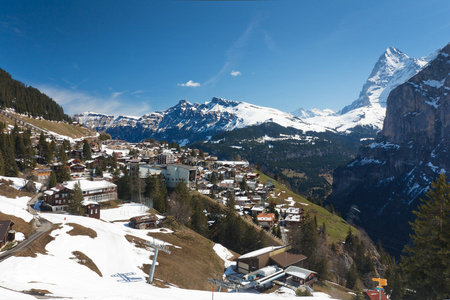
(155, 256)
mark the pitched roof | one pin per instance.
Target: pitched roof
(286, 259)
(260, 251)
(375, 295)
(299, 272)
(4, 227)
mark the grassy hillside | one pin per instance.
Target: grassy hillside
(337, 228)
(60, 128)
(188, 265)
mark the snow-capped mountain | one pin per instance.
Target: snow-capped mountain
(392, 69)
(187, 122)
(314, 112)
(389, 176)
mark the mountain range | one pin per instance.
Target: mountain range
(302, 148)
(187, 122)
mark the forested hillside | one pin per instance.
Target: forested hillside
(28, 100)
(303, 161)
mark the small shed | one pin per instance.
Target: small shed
(7, 234)
(144, 222)
(93, 210)
(374, 295)
(300, 275)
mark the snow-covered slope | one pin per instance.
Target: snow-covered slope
(61, 274)
(187, 122)
(392, 69)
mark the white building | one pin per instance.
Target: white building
(175, 173)
(96, 191)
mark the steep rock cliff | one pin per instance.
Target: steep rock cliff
(381, 187)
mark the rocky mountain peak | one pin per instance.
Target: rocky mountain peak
(418, 110)
(392, 68)
(224, 102)
(390, 175)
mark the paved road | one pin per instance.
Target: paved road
(42, 226)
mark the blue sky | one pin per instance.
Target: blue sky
(135, 57)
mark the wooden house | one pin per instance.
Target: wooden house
(7, 234)
(42, 174)
(57, 197)
(266, 220)
(280, 256)
(374, 295)
(93, 210)
(144, 222)
(300, 276)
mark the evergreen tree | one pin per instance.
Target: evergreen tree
(156, 190)
(306, 240)
(29, 160)
(87, 154)
(124, 186)
(352, 277)
(231, 202)
(2, 165)
(9, 157)
(75, 201)
(98, 172)
(51, 151)
(43, 148)
(427, 265)
(52, 180)
(198, 219)
(243, 184)
(62, 155)
(213, 178)
(62, 174)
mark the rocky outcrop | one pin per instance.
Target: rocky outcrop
(389, 176)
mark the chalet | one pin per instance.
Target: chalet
(7, 234)
(77, 168)
(144, 222)
(96, 191)
(281, 256)
(93, 191)
(241, 200)
(292, 220)
(252, 176)
(256, 210)
(256, 199)
(294, 211)
(57, 197)
(266, 220)
(300, 276)
(41, 174)
(374, 295)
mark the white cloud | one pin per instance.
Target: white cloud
(236, 73)
(76, 101)
(190, 83)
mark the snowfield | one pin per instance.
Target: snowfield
(118, 261)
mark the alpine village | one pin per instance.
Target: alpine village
(260, 211)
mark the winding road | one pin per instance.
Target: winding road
(42, 225)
